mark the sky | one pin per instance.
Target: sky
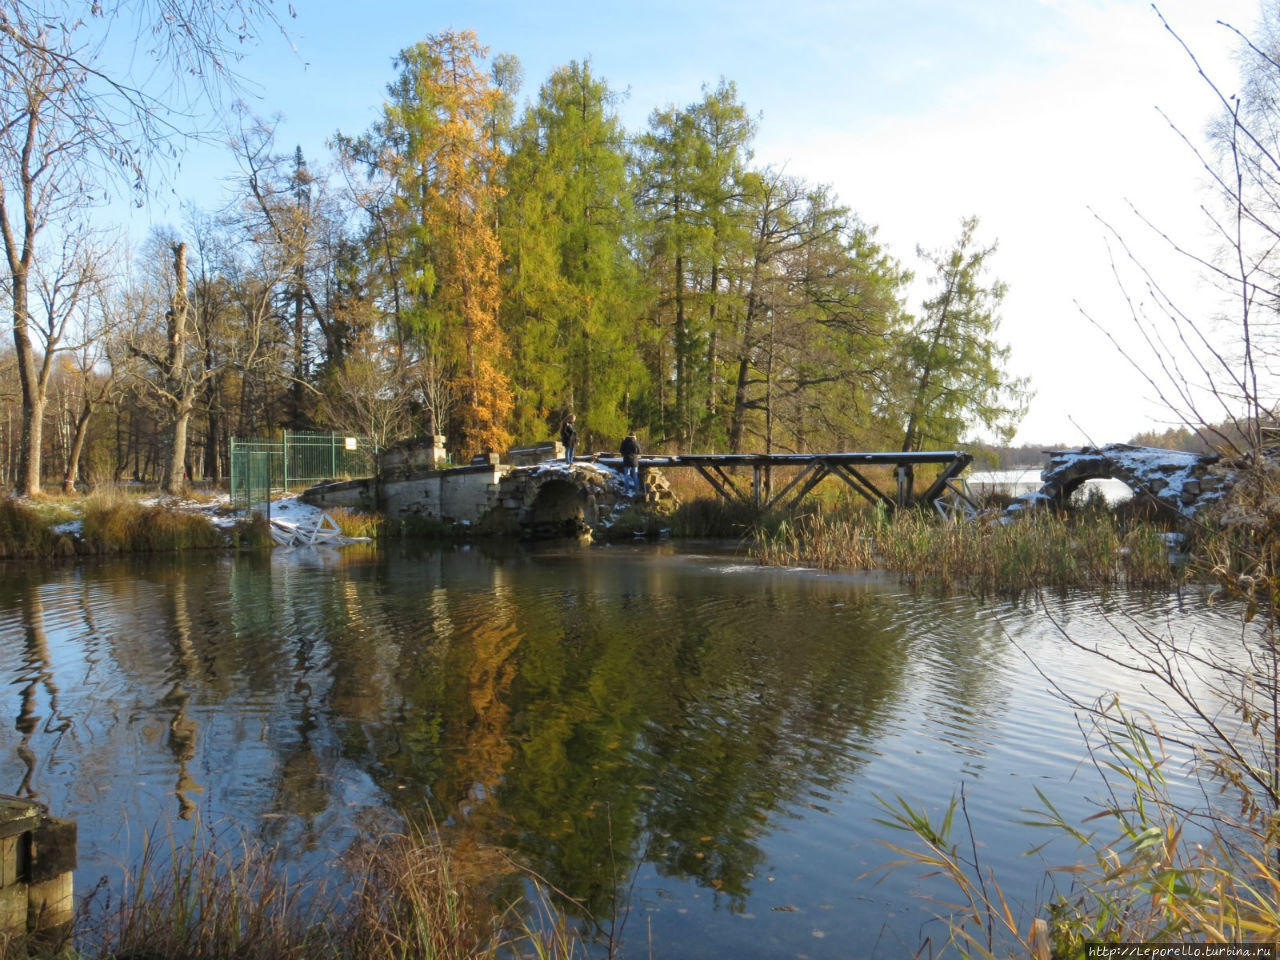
(1043, 118)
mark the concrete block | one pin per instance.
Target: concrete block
(51, 903)
(53, 849)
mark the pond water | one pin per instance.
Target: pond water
(689, 745)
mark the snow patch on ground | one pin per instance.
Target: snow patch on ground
(292, 521)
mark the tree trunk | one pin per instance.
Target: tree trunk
(213, 447)
(27, 482)
(72, 474)
(738, 420)
(299, 354)
(712, 341)
(174, 479)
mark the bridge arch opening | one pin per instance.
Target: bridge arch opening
(560, 508)
(1113, 489)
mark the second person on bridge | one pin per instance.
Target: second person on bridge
(630, 451)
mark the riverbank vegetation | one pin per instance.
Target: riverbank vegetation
(110, 522)
(24, 533)
(1089, 548)
(116, 524)
(402, 896)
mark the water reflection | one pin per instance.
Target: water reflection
(671, 733)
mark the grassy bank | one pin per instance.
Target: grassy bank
(110, 523)
(116, 524)
(26, 533)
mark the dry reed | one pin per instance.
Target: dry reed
(211, 898)
(1042, 551)
(116, 524)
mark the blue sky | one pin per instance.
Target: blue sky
(1027, 113)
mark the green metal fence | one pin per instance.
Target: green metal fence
(261, 468)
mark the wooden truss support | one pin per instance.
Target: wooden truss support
(722, 483)
(952, 470)
(862, 485)
(956, 506)
(814, 467)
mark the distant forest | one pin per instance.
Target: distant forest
(473, 268)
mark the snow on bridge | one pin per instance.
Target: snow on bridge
(1183, 482)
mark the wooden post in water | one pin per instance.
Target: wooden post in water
(37, 863)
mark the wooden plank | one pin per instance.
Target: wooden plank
(13, 910)
(884, 458)
(17, 816)
(9, 866)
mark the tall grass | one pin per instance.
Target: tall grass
(204, 901)
(1145, 870)
(213, 899)
(357, 523)
(408, 904)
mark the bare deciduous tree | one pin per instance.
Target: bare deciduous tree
(68, 124)
(1212, 363)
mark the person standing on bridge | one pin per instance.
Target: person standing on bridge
(569, 437)
(630, 451)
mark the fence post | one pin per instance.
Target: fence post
(333, 455)
(231, 455)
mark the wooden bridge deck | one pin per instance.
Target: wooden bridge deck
(714, 467)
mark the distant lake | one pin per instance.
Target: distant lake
(689, 745)
(1023, 480)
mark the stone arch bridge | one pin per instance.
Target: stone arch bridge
(1180, 481)
(535, 494)
(532, 492)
